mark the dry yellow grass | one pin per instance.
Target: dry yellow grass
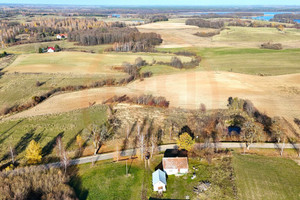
(177, 34)
(189, 90)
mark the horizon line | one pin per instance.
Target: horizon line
(149, 5)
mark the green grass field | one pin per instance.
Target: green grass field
(45, 129)
(77, 62)
(20, 88)
(107, 180)
(245, 60)
(33, 47)
(264, 34)
(251, 61)
(269, 178)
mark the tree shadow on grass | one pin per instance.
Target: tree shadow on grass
(3, 135)
(21, 145)
(72, 140)
(48, 148)
(76, 183)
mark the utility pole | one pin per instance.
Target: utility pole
(126, 169)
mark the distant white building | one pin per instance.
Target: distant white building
(61, 36)
(178, 165)
(159, 181)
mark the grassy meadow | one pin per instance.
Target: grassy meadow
(245, 60)
(269, 178)
(260, 34)
(34, 47)
(20, 88)
(81, 63)
(115, 184)
(108, 180)
(45, 130)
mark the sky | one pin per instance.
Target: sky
(156, 2)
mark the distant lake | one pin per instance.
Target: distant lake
(268, 16)
(297, 20)
(205, 13)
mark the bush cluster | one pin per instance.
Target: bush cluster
(205, 23)
(3, 54)
(268, 45)
(141, 100)
(35, 183)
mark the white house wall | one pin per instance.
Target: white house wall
(175, 171)
(157, 185)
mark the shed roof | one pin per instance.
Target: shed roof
(175, 163)
(159, 176)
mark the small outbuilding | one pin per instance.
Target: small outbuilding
(159, 181)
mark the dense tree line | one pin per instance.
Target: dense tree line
(251, 23)
(158, 18)
(286, 18)
(124, 39)
(228, 15)
(41, 29)
(205, 23)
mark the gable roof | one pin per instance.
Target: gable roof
(159, 176)
(51, 48)
(175, 163)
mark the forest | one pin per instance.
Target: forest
(205, 23)
(124, 38)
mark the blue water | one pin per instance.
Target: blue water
(205, 13)
(116, 15)
(297, 20)
(268, 16)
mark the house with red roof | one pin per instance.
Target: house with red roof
(50, 50)
(61, 36)
(175, 165)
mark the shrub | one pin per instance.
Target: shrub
(268, 45)
(35, 183)
(205, 23)
(176, 62)
(207, 34)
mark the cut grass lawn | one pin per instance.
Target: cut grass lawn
(45, 129)
(107, 180)
(269, 178)
(82, 63)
